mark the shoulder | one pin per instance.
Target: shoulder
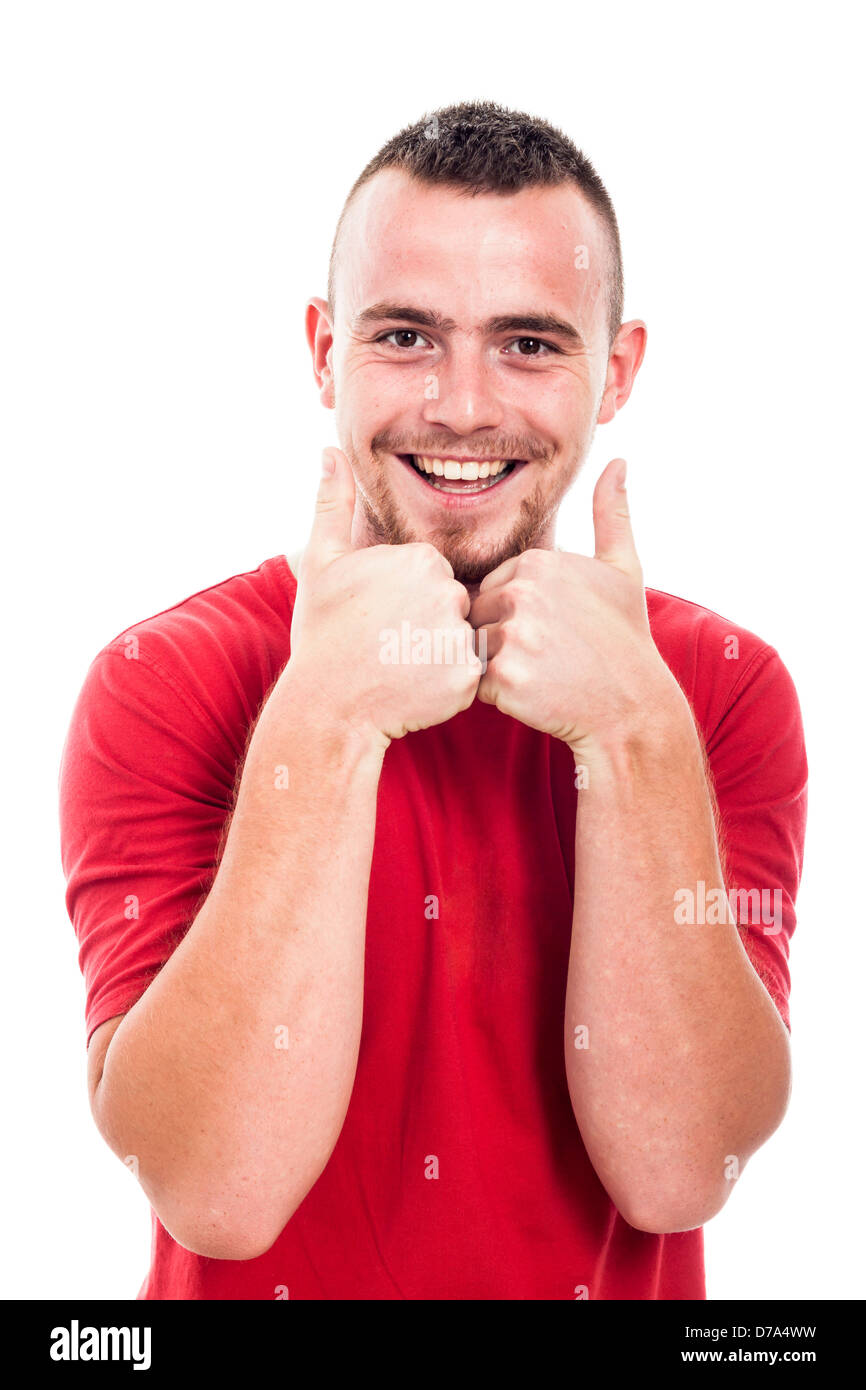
(236, 631)
(684, 627)
(715, 659)
(253, 608)
(205, 664)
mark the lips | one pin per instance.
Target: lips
(460, 475)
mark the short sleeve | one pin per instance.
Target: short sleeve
(146, 786)
(757, 759)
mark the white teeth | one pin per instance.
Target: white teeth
(484, 475)
(454, 470)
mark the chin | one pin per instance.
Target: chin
(471, 569)
(471, 556)
(471, 559)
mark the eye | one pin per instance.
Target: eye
(532, 347)
(401, 335)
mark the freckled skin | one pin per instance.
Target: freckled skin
(467, 390)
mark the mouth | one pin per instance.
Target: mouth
(461, 475)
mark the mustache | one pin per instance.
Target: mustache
(514, 446)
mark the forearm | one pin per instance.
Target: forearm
(230, 1078)
(685, 1062)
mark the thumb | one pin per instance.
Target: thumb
(614, 541)
(331, 535)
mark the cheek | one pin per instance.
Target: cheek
(379, 393)
(560, 404)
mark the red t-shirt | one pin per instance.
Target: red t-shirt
(461, 1055)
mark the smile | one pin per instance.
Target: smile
(461, 475)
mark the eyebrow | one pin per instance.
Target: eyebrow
(501, 323)
(534, 323)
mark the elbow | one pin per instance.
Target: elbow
(219, 1215)
(226, 1221)
(663, 1213)
(215, 1240)
(665, 1220)
(691, 1187)
(217, 1233)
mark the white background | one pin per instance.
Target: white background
(171, 175)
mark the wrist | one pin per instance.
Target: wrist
(329, 730)
(661, 720)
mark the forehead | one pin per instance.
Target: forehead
(408, 242)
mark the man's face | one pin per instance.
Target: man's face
(468, 332)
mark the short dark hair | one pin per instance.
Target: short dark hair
(481, 147)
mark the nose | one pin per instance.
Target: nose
(461, 394)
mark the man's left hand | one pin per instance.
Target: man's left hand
(569, 647)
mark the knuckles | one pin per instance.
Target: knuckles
(427, 558)
(535, 563)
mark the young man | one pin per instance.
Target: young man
(434, 891)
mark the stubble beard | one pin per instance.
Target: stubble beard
(470, 559)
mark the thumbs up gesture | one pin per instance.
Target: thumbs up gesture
(379, 634)
(568, 642)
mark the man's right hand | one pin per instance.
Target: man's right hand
(348, 602)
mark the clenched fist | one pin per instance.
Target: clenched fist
(351, 603)
(568, 637)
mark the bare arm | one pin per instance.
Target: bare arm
(685, 1062)
(230, 1078)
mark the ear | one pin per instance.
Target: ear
(320, 336)
(626, 355)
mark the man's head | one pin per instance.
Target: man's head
(474, 313)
